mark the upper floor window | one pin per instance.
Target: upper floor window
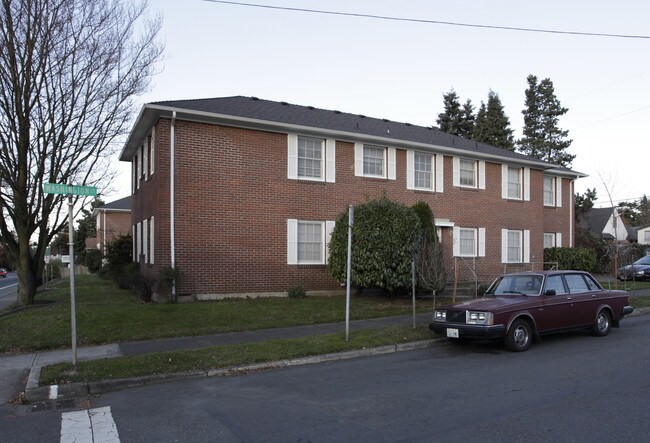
(311, 158)
(469, 173)
(552, 191)
(424, 171)
(374, 161)
(515, 183)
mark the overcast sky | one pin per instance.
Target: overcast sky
(399, 70)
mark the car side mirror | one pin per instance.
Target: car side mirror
(550, 292)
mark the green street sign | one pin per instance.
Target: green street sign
(52, 188)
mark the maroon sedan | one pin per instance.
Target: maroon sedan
(523, 306)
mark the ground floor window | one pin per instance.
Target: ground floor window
(515, 246)
(307, 241)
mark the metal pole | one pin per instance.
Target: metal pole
(73, 313)
(413, 285)
(347, 288)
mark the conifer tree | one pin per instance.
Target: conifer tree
(456, 120)
(542, 137)
(492, 124)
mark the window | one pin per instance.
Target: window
(145, 240)
(469, 242)
(552, 239)
(423, 170)
(555, 283)
(549, 191)
(515, 246)
(552, 191)
(515, 183)
(151, 240)
(152, 141)
(576, 283)
(136, 173)
(307, 241)
(374, 161)
(310, 158)
(468, 173)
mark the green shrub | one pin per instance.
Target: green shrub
(297, 292)
(383, 245)
(93, 260)
(119, 255)
(580, 259)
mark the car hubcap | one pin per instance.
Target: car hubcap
(521, 337)
(602, 322)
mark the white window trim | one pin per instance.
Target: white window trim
(524, 176)
(328, 165)
(153, 146)
(479, 242)
(390, 165)
(292, 241)
(557, 192)
(525, 245)
(145, 240)
(151, 240)
(479, 173)
(138, 242)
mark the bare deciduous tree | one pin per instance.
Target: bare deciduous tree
(69, 73)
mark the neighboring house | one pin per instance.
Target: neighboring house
(605, 223)
(643, 235)
(257, 186)
(113, 219)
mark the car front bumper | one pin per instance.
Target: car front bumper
(627, 310)
(468, 331)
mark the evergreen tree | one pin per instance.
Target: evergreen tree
(456, 120)
(584, 202)
(542, 138)
(492, 124)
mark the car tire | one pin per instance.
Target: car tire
(603, 323)
(520, 336)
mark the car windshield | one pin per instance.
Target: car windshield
(643, 261)
(528, 284)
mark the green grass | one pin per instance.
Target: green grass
(227, 356)
(107, 314)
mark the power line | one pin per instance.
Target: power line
(432, 22)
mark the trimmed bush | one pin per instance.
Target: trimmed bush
(579, 259)
(93, 260)
(383, 245)
(297, 292)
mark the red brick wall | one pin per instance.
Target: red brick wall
(233, 199)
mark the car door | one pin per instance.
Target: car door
(556, 310)
(584, 295)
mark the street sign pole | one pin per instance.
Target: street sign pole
(73, 308)
(70, 190)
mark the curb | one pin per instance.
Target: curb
(35, 393)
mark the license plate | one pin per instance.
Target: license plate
(452, 333)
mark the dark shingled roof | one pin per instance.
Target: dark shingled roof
(595, 221)
(309, 116)
(119, 205)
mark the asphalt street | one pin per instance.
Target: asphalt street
(570, 387)
(8, 290)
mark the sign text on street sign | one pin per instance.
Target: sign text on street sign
(52, 188)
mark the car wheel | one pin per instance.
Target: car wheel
(603, 324)
(519, 336)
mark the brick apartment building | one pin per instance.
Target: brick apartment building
(113, 219)
(258, 184)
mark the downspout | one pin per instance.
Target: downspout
(171, 205)
(571, 213)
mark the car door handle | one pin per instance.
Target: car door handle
(569, 298)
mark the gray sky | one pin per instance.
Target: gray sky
(399, 70)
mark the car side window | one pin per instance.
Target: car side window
(576, 283)
(591, 283)
(555, 283)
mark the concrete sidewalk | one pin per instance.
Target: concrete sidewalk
(17, 371)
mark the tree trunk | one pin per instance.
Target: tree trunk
(27, 278)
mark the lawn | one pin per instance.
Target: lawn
(107, 314)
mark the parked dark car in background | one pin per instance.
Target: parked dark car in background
(639, 270)
(3, 273)
(523, 306)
